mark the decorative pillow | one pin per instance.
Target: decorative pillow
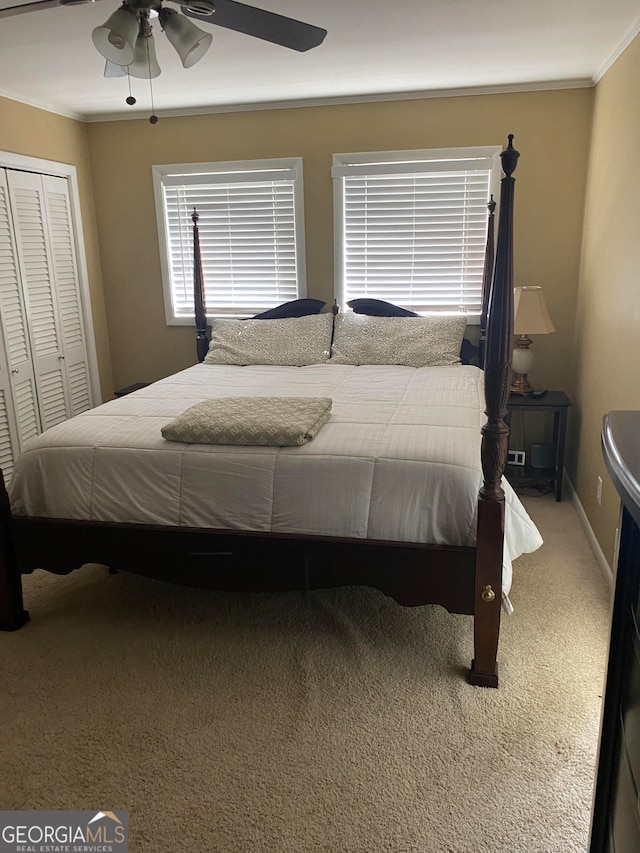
(410, 341)
(295, 308)
(379, 308)
(295, 341)
(263, 421)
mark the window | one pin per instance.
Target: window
(411, 227)
(251, 235)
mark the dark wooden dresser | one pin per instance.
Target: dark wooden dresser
(616, 813)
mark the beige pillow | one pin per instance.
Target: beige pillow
(270, 421)
(295, 341)
(410, 341)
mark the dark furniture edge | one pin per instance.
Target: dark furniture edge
(621, 452)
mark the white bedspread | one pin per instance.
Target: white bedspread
(398, 460)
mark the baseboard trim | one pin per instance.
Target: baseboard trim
(602, 561)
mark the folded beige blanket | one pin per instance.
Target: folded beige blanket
(272, 421)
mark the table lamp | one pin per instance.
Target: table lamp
(530, 317)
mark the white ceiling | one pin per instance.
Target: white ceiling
(374, 48)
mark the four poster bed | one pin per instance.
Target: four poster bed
(351, 507)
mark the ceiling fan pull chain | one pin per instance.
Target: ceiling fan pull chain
(153, 118)
(130, 100)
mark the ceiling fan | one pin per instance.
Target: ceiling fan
(126, 38)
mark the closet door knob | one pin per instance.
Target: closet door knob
(61, 357)
(15, 370)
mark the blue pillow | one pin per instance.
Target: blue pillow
(295, 308)
(379, 308)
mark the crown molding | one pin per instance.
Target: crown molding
(511, 88)
(624, 44)
(381, 97)
(46, 107)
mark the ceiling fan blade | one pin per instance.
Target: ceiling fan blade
(27, 7)
(19, 8)
(262, 24)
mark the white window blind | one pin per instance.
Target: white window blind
(413, 231)
(250, 231)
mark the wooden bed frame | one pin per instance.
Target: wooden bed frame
(461, 579)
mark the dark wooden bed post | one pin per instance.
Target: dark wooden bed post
(12, 613)
(497, 370)
(487, 275)
(202, 342)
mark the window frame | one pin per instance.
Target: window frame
(400, 161)
(258, 168)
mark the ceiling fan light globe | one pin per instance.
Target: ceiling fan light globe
(197, 50)
(116, 38)
(145, 64)
(190, 42)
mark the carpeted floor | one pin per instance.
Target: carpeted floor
(336, 721)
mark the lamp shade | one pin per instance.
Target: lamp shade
(530, 312)
(145, 63)
(191, 43)
(116, 39)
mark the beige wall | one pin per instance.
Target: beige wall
(36, 133)
(608, 315)
(551, 131)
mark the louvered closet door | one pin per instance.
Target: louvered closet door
(28, 205)
(18, 408)
(67, 290)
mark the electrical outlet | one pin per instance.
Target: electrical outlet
(516, 457)
(599, 491)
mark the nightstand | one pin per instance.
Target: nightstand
(122, 392)
(558, 403)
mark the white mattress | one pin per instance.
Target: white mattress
(398, 460)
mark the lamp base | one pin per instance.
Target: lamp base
(521, 365)
(520, 384)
